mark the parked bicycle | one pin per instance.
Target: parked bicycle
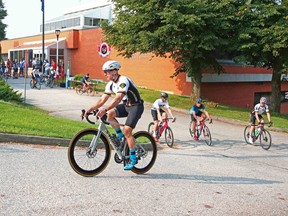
(163, 127)
(259, 133)
(80, 89)
(201, 129)
(89, 150)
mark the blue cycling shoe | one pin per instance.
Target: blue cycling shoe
(131, 164)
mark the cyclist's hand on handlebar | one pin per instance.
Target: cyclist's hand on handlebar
(174, 119)
(210, 121)
(101, 112)
(270, 124)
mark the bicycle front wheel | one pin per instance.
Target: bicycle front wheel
(83, 159)
(265, 139)
(169, 137)
(207, 135)
(146, 152)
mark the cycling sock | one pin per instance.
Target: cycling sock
(120, 135)
(132, 155)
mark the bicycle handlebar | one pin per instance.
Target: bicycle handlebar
(263, 123)
(103, 118)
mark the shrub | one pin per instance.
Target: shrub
(9, 94)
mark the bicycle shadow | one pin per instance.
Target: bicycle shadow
(225, 144)
(203, 179)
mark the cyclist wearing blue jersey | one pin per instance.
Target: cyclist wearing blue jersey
(198, 113)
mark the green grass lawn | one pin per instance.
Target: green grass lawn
(19, 118)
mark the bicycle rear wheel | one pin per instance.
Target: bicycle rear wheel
(146, 152)
(82, 159)
(207, 135)
(169, 137)
(38, 85)
(79, 90)
(247, 134)
(191, 130)
(151, 127)
(265, 139)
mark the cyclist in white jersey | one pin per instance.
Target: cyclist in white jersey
(256, 114)
(158, 113)
(132, 106)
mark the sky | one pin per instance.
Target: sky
(25, 16)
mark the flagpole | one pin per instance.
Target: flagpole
(43, 32)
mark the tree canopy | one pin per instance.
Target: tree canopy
(194, 33)
(3, 14)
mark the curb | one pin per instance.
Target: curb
(29, 139)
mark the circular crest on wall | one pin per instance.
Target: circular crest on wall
(103, 49)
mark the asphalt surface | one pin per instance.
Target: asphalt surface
(228, 178)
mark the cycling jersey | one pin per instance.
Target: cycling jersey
(84, 79)
(158, 104)
(124, 85)
(260, 109)
(197, 110)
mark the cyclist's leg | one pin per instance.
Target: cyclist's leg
(134, 114)
(252, 121)
(119, 111)
(156, 123)
(193, 124)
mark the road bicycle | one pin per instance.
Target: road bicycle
(163, 127)
(35, 83)
(201, 129)
(90, 149)
(260, 133)
(80, 89)
(50, 80)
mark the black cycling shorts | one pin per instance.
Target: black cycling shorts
(253, 118)
(198, 114)
(155, 115)
(133, 113)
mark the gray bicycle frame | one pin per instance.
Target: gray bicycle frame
(103, 129)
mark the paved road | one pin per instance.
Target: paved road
(229, 178)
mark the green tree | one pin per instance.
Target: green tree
(3, 14)
(188, 31)
(263, 40)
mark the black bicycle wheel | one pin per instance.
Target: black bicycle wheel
(146, 152)
(265, 139)
(51, 83)
(169, 137)
(247, 134)
(207, 135)
(151, 127)
(80, 155)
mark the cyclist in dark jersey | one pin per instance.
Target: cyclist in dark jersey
(85, 83)
(198, 110)
(131, 107)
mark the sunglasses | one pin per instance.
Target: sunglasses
(107, 71)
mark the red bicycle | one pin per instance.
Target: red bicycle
(163, 127)
(201, 128)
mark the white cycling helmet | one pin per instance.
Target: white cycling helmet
(111, 65)
(263, 100)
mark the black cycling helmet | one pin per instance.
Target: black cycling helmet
(198, 100)
(87, 74)
(164, 94)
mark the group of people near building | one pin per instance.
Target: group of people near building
(13, 68)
